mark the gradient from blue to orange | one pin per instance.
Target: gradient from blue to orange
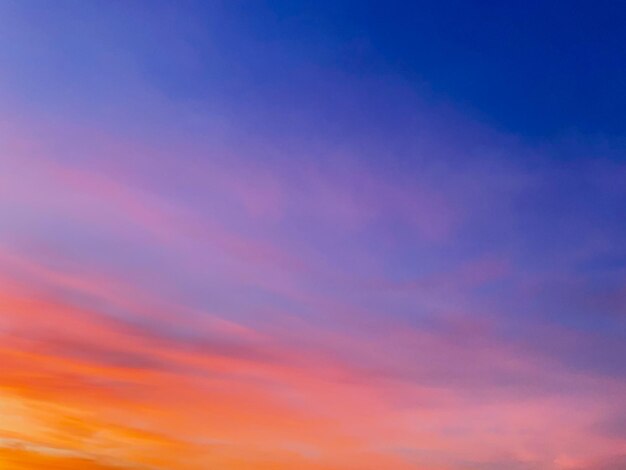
(312, 235)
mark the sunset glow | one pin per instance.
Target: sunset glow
(272, 235)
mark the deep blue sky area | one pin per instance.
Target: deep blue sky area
(538, 69)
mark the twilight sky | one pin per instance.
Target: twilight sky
(312, 235)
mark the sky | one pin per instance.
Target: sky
(312, 235)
